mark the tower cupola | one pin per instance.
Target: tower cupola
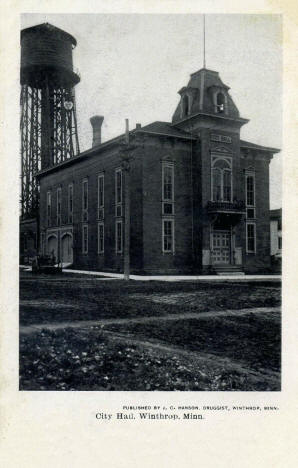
(205, 94)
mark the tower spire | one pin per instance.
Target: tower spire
(204, 41)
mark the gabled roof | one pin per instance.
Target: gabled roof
(248, 145)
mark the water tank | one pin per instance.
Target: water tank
(46, 54)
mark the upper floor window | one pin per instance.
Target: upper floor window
(221, 180)
(59, 206)
(100, 200)
(250, 194)
(168, 188)
(49, 208)
(85, 200)
(70, 203)
(118, 192)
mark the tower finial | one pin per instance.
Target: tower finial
(204, 42)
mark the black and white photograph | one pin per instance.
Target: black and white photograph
(150, 202)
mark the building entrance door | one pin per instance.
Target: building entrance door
(53, 247)
(221, 247)
(67, 255)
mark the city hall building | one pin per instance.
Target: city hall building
(199, 195)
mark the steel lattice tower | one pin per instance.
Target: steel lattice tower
(48, 115)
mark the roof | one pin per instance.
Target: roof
(275, 213)
(167, 129)
(46, 28)
(247, 144)
(155, 128)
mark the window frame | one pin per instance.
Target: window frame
(165, 200)
(249, 251)
(85, 250)
(229, 169)
(59, 206)
(85, 208)
(100, 224)
(250, 173)
(172, 221)
(100, 195)
(49, 208)
(118, 250)
(70, 211)
(118, 203)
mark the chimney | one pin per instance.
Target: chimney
(96, 122)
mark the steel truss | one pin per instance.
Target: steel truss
(48, 136)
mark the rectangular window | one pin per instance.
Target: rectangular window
(168, 235)
(250, 190)
(85, 200)
(118, 192)
(70, 203)
(119, 236)
(59, 206)
(100, 238)
(168, 189)
(250, 238)
(85, 239)
(100, 195)
(49, 208)
(168, 182)
(227, 185)
(280, 243)
(42, 243)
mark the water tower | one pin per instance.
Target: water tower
(48, 118)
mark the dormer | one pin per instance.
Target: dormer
(188, 96)
(219, 97)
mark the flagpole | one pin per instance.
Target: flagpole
(204, 42)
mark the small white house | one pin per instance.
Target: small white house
(276, 233)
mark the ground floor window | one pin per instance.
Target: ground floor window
(168, 235)
(85, 239)
(250, 237)
(100, 238)
(119, 236)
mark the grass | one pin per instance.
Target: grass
(48, 300)
(227, 353)
(252, 340)
(91, 360)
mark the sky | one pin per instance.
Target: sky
(132, 66)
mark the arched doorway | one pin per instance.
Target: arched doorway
(66, 249)
(53, 246)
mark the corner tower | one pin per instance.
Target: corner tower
(206, 110)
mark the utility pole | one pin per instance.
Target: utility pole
(126, 159)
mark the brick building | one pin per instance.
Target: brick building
(199, 194)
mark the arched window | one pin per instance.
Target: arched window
(220, 103)
(185, 104)
(221, 180)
